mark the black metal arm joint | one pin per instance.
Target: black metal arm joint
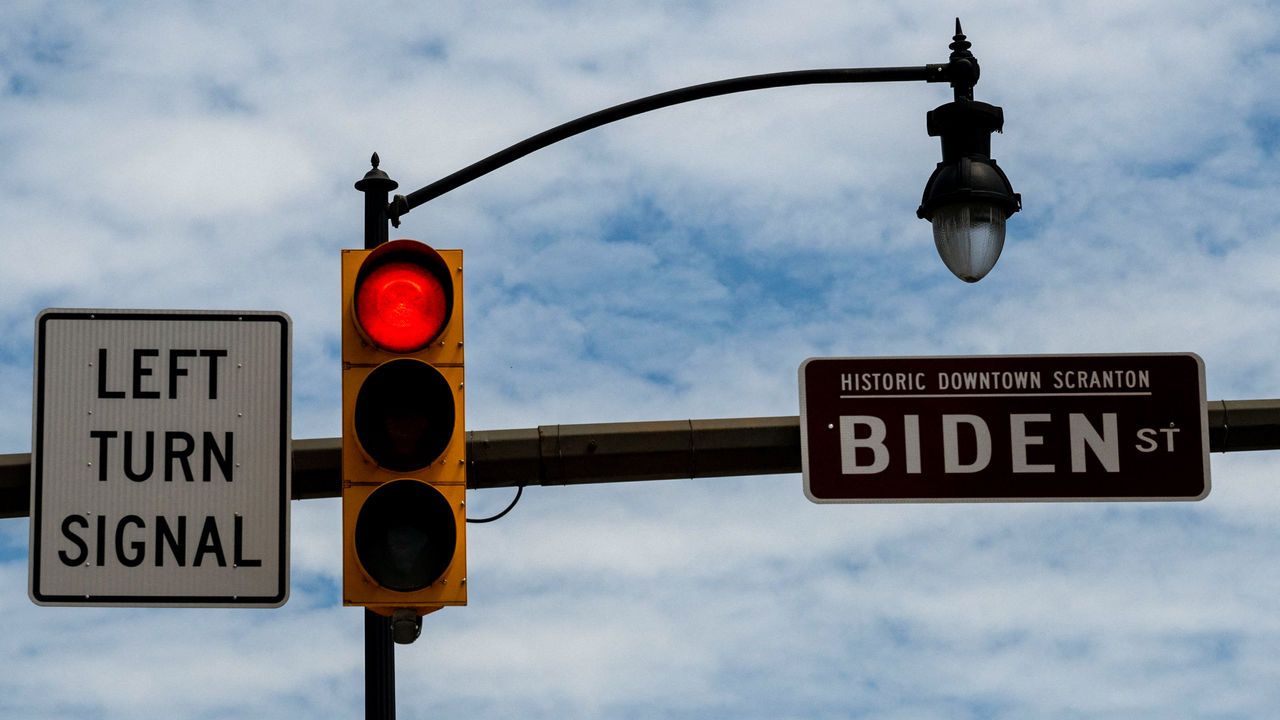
(398, 206)
(938, 73)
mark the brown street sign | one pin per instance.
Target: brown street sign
(1004, 428)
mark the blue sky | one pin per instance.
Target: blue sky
(677, 265)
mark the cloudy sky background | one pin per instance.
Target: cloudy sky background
(677, 265)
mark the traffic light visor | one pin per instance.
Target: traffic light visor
(403, 296)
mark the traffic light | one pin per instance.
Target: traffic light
(403, 442)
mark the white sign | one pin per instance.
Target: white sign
(160, 459)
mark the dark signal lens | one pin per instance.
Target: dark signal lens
(406, 535)
(402, 306)
(404, 415)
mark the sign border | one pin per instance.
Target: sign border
(804, 434)
(281, 596)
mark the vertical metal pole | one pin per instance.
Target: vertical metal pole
(379, 668)
(376, 186)
(379, 650)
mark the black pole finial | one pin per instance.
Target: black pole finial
(959, 44)
(375, 185)
(376, 179)
(963, 69)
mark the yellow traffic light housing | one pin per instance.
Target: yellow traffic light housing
(403, 436)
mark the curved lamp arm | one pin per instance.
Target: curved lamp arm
(962, 72)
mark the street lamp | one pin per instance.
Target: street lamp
(967, 199)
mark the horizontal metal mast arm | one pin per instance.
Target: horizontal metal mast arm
(621, 452)
(1241, 425)
(402, 204)
(633, 451)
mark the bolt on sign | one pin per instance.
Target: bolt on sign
(160, 458)
(1004, 428)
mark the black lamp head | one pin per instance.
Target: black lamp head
(968, 197)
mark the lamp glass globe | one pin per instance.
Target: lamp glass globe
(969, 237)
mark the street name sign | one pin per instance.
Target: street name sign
(1004, 428)
(160, 458)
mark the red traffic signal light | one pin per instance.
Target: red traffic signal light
(403, 296)
(403, 436)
